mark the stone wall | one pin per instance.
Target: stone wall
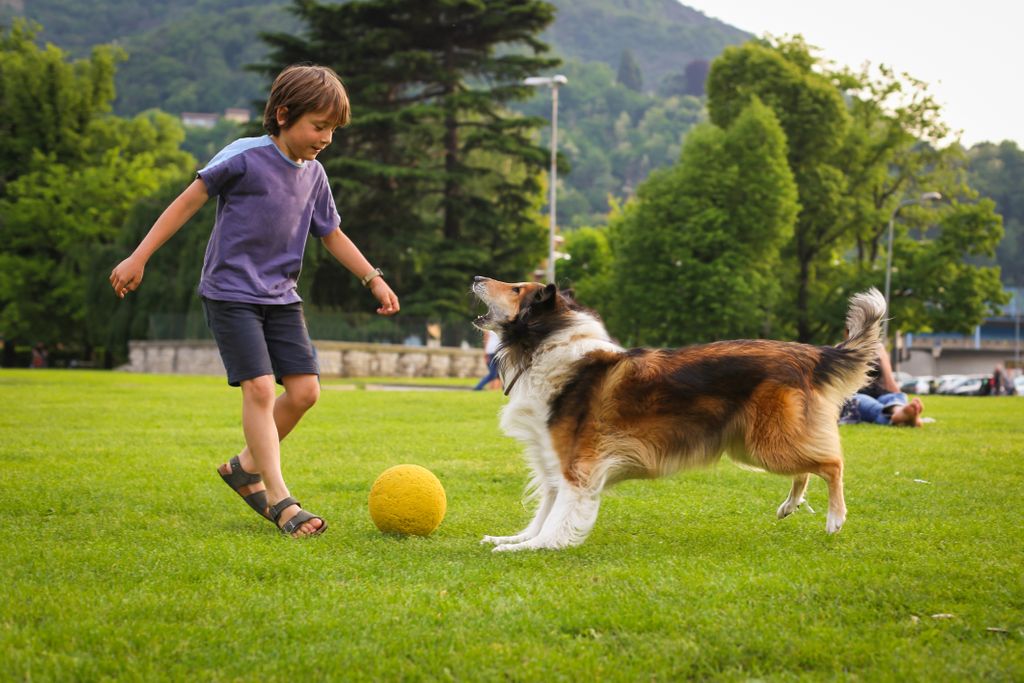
(337, 359)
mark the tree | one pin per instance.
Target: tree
(998, 173)
(629, 72)
(706, 237)
(71, 174)
(814, 117)
(435, 177)
(858, 145)
(689, 82)
(587, 272)
(937, 287)
(46, 102)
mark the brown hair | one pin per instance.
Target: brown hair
(303, 89)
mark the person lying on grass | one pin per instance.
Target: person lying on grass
(881, 401)
(272, 193)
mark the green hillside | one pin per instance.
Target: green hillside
(190, 55)
(663, 35)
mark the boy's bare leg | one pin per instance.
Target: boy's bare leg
(260, 414)
(289, 408)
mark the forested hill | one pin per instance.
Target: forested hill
(662, 35)
(189, 55)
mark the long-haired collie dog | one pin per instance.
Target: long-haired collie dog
(591, 413)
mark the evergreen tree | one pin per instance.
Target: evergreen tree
(435, 178)
(629, 72)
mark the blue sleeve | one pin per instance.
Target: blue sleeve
(325, 213)
(219, 173)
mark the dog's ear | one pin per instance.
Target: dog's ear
(540, 300)
(544, 295)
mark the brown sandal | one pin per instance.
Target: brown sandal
(297, 520)
(241, 482)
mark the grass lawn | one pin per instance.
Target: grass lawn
(125, 557)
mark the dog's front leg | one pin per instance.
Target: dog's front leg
(547, 501)
(571, 518)
(796, 497)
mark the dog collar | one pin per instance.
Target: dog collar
(514, 380)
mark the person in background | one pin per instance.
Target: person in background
(40, 356)
(881, 401)
(490, 350)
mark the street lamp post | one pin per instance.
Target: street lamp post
(552, 82)
(926, 197)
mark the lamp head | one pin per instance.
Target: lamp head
(553, 81)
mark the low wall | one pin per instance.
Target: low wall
(337, 359)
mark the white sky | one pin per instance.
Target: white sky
(969, 53)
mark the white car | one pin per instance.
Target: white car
(945, 383)
(918, 385)
(969, 386)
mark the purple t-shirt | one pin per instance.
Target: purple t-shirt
(266, 207)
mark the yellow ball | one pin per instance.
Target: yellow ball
(407, 499)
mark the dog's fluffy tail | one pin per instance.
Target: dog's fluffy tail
(844, 368)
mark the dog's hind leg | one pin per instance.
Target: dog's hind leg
(796, 497)
(832, 472)
(570, 521)
(547, 495)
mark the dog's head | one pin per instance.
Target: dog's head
(508, 302)
(524, 313)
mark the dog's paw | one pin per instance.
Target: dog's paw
(788, 507)
(516, 547)
(502, 540)
(834, 523)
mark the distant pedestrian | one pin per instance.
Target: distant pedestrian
(491, 343)
(40, 356)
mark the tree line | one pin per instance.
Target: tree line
(778, 209)
(760, 222)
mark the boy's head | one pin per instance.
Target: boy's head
(300, 90)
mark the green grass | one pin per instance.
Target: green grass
(125, 557)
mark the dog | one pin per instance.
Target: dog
(591, 413)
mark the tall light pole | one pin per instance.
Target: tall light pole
(552, 82)
(926, 197)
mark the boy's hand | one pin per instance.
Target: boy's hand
(127, 276)
(383, 294)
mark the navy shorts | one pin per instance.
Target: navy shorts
(261, 339)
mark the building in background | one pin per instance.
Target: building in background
(997, 341)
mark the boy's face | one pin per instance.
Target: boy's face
(303, 139)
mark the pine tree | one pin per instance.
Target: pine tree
(629, 72)
(435, 179)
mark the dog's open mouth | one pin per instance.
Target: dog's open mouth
(481, 320)
(486, 317)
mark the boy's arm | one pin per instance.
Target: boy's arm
(127, 275)
(348, 255)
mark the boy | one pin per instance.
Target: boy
(272, 193)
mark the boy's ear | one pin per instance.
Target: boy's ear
(282, 116)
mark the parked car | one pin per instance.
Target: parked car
(946, 382)
(918, 385)
(970, 385)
